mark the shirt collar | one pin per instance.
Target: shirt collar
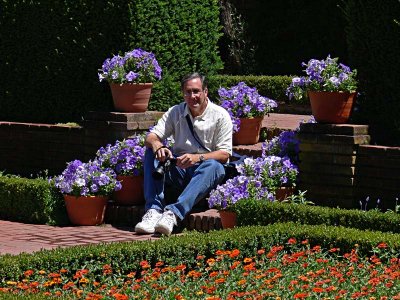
(201, 117)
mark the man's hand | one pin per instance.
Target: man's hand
(187, 160)
(162, 153)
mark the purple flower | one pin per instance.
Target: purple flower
(242, 101)
(135, 66)
(124, 157)
(86, 179)
(323, 75)
(131, 76)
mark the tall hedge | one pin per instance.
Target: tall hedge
(183, 34)
(373, 35)
(51, 51)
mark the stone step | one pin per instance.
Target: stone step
(201, 219)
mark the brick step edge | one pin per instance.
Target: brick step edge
(200, 220)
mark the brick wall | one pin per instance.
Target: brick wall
(338, 167)
(27, 148)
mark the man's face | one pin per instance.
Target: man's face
(194, 95)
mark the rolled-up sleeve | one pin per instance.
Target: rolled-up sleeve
(223, 136)
(164, 127)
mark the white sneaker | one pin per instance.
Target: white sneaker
(167, 222)
(149, 221)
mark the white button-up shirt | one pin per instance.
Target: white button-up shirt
(213, 129)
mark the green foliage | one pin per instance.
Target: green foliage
(285, 33)
(31, 200)
(255, 212)
(52, 50)
(273, 87)
(374, 45)
(126, 257)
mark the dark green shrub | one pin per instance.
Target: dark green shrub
(31, 201)
(51, 52)
(254, 212)
(273, 87)
(373, 37)
(181, 39)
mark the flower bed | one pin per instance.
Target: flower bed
(285, 260)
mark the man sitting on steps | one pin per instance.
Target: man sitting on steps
(202, 134)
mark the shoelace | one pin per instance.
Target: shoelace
(170, 218)
(149, 215)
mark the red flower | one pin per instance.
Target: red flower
(382, 245)
(300, 295)
(292, 241)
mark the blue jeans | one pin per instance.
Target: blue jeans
(194, 182)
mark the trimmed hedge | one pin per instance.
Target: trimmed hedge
(183, 42)
(126, 257)
(273, 87)
(51, 52)
(31, 200)
(255, 212)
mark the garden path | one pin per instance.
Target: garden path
(16, 238)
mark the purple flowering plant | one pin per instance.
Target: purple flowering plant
(272, 171)
(258, 178)
(124, 157)
(239, 188)
(136, 66)
(86, 179)
(323, 75)
(286, 144)
(242, 101)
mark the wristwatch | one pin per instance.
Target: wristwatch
(202, 158)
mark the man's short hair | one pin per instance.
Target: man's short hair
(194, 75)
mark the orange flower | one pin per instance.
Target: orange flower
(159, 264)
(300, 295)
(213, 274)
(119, 296)
(107, 269)
(234, 253)
(318, 290)
(292, 241)
(247, 260)
(144, 264)
(234, 265)
(382, 245)
(219, 280)
(261, 251)
(28, 273)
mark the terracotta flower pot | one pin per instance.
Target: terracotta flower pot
(228, 219)
(131, 97)
(249, 132)
(283, 192)
(86, 210)
(131, 192)
(331, 107)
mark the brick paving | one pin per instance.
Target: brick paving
(16, 238)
